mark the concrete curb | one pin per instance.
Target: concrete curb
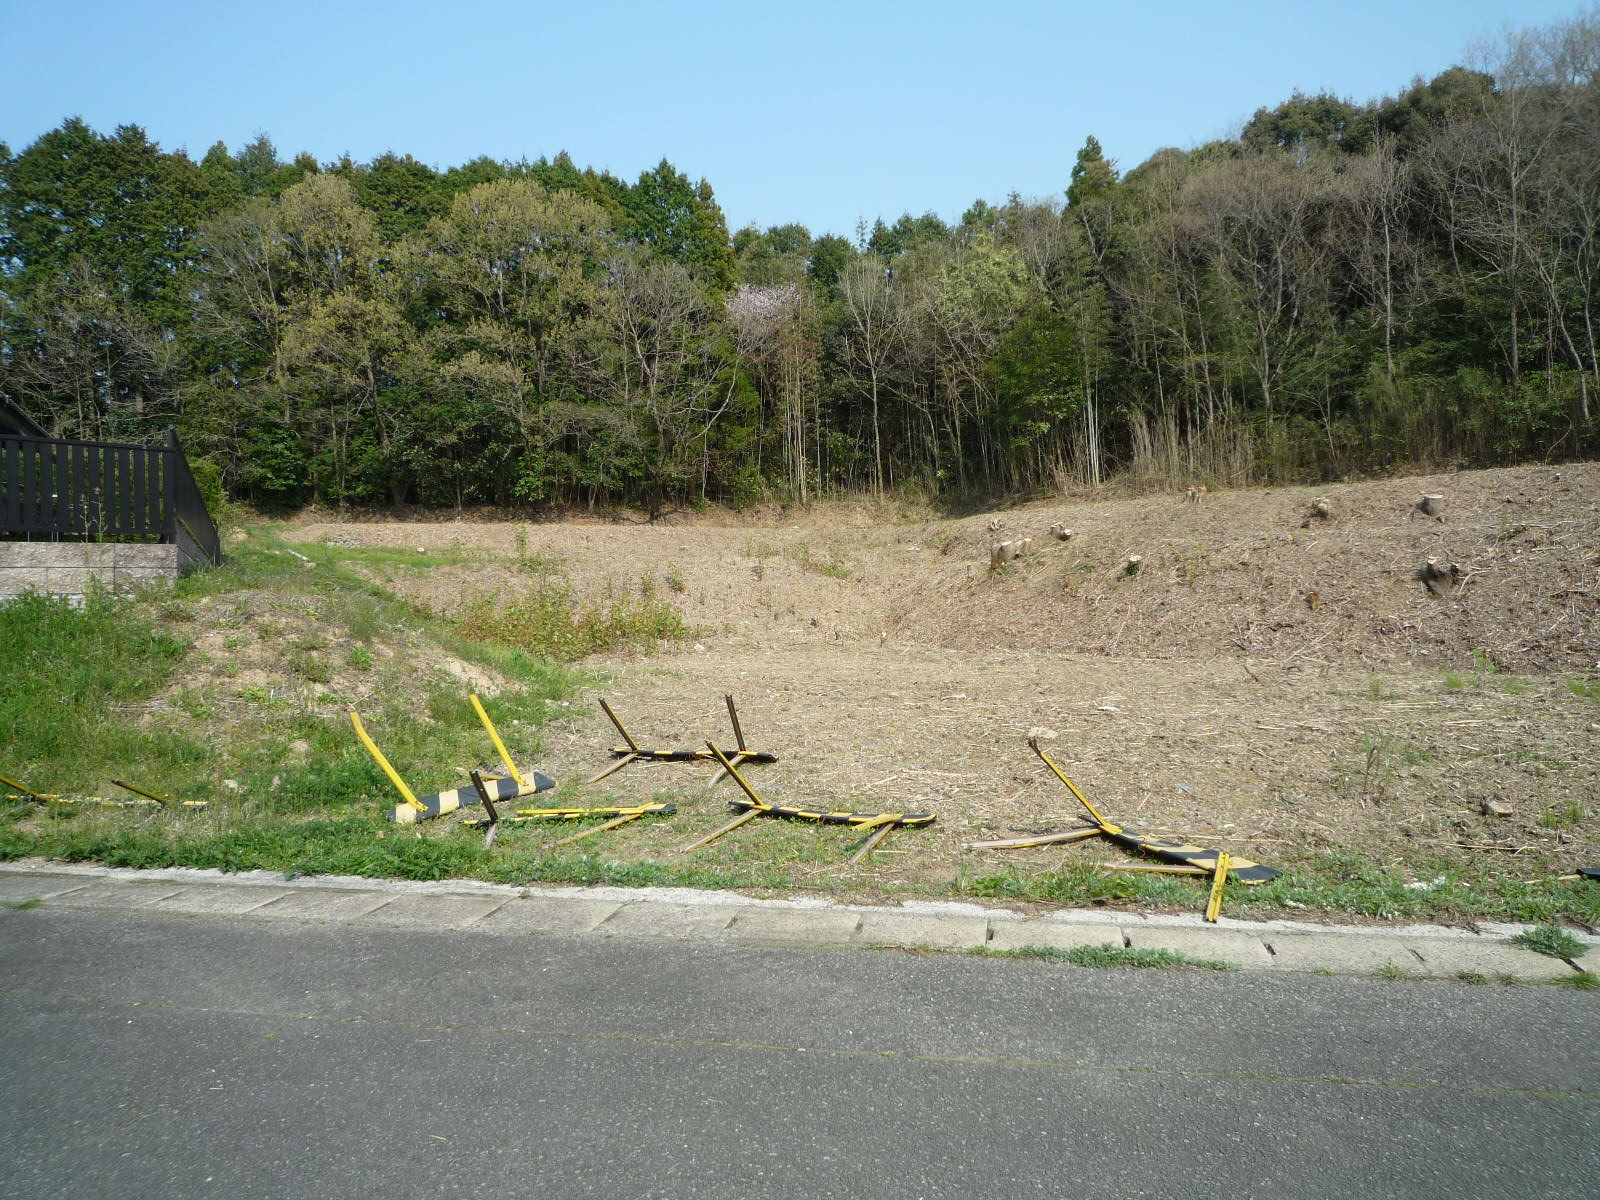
(1423, 951)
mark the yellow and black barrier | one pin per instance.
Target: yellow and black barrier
(511, 786)
(1240, 869)
(439, 803)
(878, 825)
(618, 814)
(140, 798)
(631, 751)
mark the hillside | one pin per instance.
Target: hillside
(1231, 575)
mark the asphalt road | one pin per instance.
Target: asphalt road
(197, 1057)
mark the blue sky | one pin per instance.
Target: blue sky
(820, 112)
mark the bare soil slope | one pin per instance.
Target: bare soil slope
(1205, 695)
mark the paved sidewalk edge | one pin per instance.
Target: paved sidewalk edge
(681, 913)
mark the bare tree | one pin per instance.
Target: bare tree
(666, 379)
(874, 321)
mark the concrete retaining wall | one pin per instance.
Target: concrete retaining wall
(67, 568)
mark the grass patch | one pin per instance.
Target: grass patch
(89, 692)
(1589, 689)
(1583, 980)
(72, 675)
(1109, 955)
(552, 622)
(23, 905)
(364, 845)
(833, 564)
(1080, 885)
(1553, 941)
(1337, 883)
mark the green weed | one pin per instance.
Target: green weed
(308, 666)
(1589, 689)
(1551, 940)
(362, 618)
(1585, 980)
(1557, 818)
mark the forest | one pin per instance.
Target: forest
(1343, 289)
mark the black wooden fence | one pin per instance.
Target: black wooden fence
(106, 492)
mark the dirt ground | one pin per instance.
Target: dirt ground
(1269, 681)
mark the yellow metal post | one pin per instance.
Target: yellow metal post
(622, 729)
(748, 814)
(1073, 788)
(613, 768)
(884, 826)
(611, 824)
(733, 715)
(161, 800)
(1214, 902)
(377, 757)
(499, 746)
(727, 765)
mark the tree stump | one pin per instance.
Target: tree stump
(1130, 565)
(1018, 549)
(1322, 508)
(1433, 574)
(999, 554)
(1060, 532)
(1431, 505)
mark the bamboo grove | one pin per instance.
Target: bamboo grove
(1342, 289)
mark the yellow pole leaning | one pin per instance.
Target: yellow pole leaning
(377, 757)
(727, 765)
(1072, 787)
(499, 746)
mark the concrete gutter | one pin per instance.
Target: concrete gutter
(470, 906)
